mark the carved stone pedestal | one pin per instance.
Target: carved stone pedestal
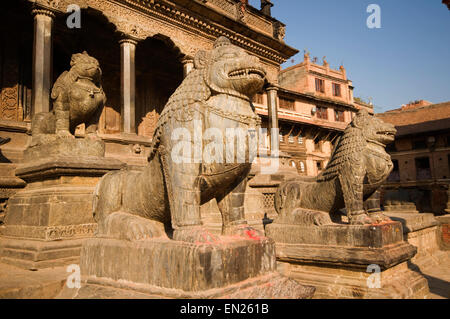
(163, 268)
(422, 231)
(46, 222)
(335, 259)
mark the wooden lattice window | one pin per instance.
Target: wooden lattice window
(287, 104)
(320, 85)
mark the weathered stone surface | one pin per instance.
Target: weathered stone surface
(231, 268)
(16, 283)
(444, 232)
(55, 205)
(335, 257)
(79, 147)
(35, 254)
(401, 200)
(422, 231)
(355, 172)
(344, 282)
(355, 246)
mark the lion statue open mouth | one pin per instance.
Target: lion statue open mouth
(167, 195)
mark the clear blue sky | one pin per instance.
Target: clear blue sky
(407, 59)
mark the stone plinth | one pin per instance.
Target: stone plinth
(9, 185)
(422, 231)
(444, 232)
(335, 259)
(46, 222)
(229, 268)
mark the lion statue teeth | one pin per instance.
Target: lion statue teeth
(78, 98)
(166, 196)
(357, 168)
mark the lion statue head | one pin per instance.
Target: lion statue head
(229, 69)
(373, 129)
(85, 66)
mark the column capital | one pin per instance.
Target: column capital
(187, 59)
(129, 40)
(272, 87)
(38, 10)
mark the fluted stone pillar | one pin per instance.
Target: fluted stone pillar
(188, 66)
(128, 85)
(42, 60)
(272, 95)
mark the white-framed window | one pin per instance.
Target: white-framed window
(302, 167)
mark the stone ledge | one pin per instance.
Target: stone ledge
(66, 165)
(412, 222)
(357, 257)
(178, 265)
(367, 236)
(49, 233)
(34, 254)
(269, 286)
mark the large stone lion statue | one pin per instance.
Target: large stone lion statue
(77, 97)
(357, 168)
(166, 196)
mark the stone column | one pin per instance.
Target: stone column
(128, 85)
(272, 94)
(42, 60)
(188, 66)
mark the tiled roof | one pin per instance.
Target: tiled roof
(433, 117)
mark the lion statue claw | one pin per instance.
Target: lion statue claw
(77, 96)
(357, 168)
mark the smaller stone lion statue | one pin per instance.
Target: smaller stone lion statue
(357, 168)
(77, 97)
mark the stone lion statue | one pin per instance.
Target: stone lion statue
(357, 168)
(168, 193)
(77, 97)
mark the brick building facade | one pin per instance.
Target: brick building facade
(315, 104)
(421, 154)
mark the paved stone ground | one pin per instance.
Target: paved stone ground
(16, 283)
(438, 281)
(48, 283)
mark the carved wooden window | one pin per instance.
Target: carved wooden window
(287, 104)
(322, 113)
(395, 174)
(339, 116)
(419, 144)
(302, 167)
(291, 138)
(423, 170)
(336, 89)
(300, 140)
(319, 165)
(317, 145)
(320, 85)
(258, 99)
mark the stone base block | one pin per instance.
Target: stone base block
(343, 282)
(56, 205)
(341, 244)
(33, 254)
(162, 268)
(422, 231)
(444, 231)
(339, 259)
